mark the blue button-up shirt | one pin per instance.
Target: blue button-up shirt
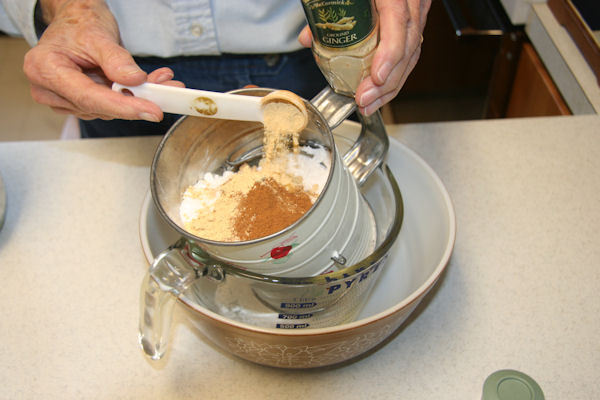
(168, 28)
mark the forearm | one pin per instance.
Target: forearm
(21, 13)
(77, 16)
(50, 8)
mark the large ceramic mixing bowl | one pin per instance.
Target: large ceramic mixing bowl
(416, 262)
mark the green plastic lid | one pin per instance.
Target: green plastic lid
(508, 384)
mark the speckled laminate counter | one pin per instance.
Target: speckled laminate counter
(521, 290)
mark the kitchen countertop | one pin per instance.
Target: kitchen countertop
(520, 292)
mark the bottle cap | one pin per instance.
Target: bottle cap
(509, 384)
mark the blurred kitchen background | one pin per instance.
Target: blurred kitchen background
(480, 59)
(22, 118)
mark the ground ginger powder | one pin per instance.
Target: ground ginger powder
(282, 121)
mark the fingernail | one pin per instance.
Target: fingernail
(384, 72)
(371, 108)
(148, 117)
(129, 70)
(365, 111)
(166, 76)
(368, 97)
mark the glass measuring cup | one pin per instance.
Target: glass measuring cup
(329, 237)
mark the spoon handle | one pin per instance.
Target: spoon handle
(201, 103)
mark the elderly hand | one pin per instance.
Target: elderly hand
(79, 56)
(401, 24)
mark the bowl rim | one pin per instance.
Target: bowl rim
(406, 302)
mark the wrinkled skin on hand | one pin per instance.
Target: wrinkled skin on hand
(77, 59)
(401, 24)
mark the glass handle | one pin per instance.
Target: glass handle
(334, 107)
(171, 273)
(370, 148)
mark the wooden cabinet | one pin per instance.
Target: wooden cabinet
(474, 76)
(534, 93)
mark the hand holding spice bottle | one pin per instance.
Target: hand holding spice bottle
(366, 48)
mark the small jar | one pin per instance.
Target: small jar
(345, 37)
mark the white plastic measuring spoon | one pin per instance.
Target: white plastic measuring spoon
(203, 103)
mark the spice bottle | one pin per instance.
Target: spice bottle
(345, 36)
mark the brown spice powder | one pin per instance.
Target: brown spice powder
(268, 208)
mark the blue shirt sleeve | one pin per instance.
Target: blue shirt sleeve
(16, 16)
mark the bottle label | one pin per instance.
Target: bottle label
(339, 23)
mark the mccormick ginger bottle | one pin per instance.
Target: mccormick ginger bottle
(345, 36)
